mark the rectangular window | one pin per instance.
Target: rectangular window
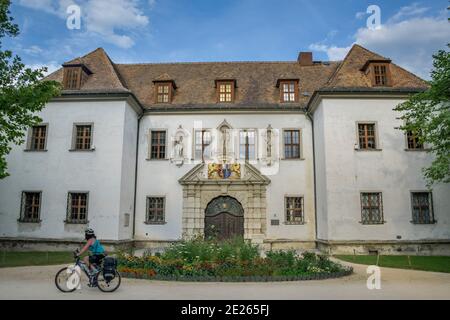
(158, 145)
(225, 91)
(294, 210)
(31, 207)
(367, 138)
(77, 207)
(289, 91)
(155, 210)
(163, 92)
(72, 78)
(380, 73)
(413, 141)
(291, 144)
(202, 144)
(371, 208)
(247, 144)
(83, 137)
(422, 208)
(38, 137)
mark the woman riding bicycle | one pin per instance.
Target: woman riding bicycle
(97, 252)
(105, 276)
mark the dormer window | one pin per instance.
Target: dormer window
(378, 72)
(288, 90)
(225, 91)
(164, 91)
(74, 76)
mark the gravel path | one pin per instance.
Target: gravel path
(38, 283)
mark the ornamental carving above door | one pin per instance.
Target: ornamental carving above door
(224, 218)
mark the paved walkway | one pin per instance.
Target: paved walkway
(38, 283)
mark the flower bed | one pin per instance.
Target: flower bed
(230, 261)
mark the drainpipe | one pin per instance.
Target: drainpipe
(314, 169)
(135, 177)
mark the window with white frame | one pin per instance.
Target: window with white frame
(291, 140)
(247, 144)
(294, 207)
(202, 145)
(38, 137)
(155, 210)
(77, 207)
(31, 206)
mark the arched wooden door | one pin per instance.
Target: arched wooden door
(224, 218)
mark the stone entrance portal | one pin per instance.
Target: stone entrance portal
(248, 191)
(224, 218)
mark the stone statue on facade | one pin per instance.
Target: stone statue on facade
(178, 151)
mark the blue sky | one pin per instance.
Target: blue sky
(229, 30)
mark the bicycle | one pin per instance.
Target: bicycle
(68, 279)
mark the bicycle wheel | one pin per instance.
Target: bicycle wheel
(108, 286)
(67, 281)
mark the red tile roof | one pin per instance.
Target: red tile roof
(256, 81)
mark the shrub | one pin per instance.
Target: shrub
(282, 258)
(232, 258)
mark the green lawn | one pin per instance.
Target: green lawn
(425, 263)
(17, 259)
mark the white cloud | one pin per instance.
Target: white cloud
(110, 19)
(360, 15)
(408, 42)
(33, 50)
(44, 5)
(105, 17)
(413, 10)
(334, 53)
(51, 66)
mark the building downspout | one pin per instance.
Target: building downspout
(314, 169)
(135, 177)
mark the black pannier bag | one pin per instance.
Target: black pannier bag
(109, 268)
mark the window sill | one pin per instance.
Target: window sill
(370, 150)
(76, 222)
(294, 223)
(32, 150)
(155, 223)
(28, 221)
(82, 150)
(417, 150)
(150, 159)
(372, 223)
(293, 159)
(424, 223)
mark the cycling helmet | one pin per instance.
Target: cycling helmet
(89, 232)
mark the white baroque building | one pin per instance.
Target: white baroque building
(299, 154)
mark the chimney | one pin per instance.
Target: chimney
(305, 58)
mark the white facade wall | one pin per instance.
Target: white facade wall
(127, 182)
(343, 172)
(104, 173)
(160, 177)
(108, 173)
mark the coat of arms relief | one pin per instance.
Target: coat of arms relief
(218, 171)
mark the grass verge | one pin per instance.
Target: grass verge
(18, 259)
(424, 263)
